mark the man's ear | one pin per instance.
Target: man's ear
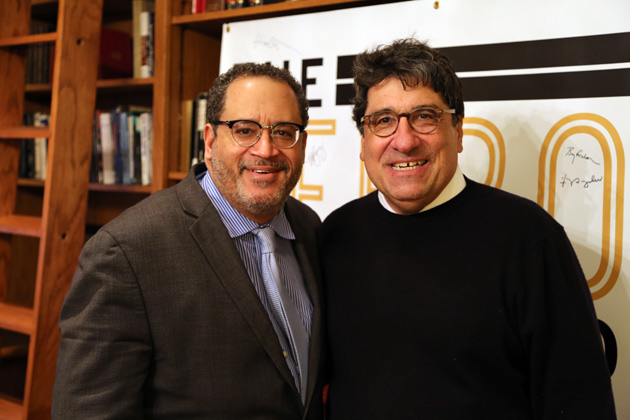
(304, 136)
(362, 147)
(208, 138)
(460, 135)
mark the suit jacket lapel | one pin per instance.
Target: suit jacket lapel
(215, 242)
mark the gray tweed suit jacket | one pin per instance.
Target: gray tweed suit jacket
(162, 320)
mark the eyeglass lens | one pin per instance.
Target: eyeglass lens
(422, 120)
(247, 133)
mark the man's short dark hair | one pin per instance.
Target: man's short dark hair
(216, 94)
(412, 62)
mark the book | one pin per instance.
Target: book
(198, 144)
(235, 4)
(137, 7)
(115, 57)
(135, 146)
(107, 147)
(146, 146)
(40, 119)
(146, 41)
(215, 5)
(198, 6)
(96, 163)
(123, 132)
(26, 168)
(115, 128)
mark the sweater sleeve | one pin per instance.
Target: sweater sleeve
(569, 376)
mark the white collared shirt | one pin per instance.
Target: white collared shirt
(454, 187)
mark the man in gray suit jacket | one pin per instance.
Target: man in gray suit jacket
(169, 315)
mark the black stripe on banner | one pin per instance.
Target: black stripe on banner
(344, 66)
(586, 50)
(576, 51)
(583, 84)
(344, 94)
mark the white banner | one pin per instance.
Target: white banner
(547, 89)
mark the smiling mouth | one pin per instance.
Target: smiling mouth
(263, 166)
(407, 166)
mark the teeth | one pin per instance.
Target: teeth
(406, 166)
(261, 172)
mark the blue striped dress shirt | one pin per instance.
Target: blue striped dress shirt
(240, 230)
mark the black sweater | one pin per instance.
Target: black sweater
(476, 309)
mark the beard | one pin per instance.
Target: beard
(232, 187)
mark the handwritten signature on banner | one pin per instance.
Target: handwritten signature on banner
(574, 181)
(579, 154)
(567, 181)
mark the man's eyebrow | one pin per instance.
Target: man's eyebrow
(388, 109)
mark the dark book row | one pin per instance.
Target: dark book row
(33, 152)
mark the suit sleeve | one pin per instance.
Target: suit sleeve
(569, 376)
(105, 350)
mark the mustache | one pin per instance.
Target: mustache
(263, 162)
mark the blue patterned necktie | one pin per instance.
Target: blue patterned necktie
(282, 307)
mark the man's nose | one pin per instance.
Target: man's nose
(405, 138)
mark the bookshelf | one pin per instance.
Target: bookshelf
(110, 93)
(41, 234)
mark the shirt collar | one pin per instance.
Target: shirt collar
(454, 187)
(236, 223)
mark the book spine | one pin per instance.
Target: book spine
(146, 141)
(138, 6)
(137, 150)
(200, 121)
(94, 156)
(123, 129)
(41, 146)
(107, 147)
(115, 115)
(146, 35)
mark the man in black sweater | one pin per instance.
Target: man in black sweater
(448, 299)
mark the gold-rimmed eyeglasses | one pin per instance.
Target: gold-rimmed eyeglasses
(423, 120)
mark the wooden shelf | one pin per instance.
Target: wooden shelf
(38, 88)
(124, 82)
(30, 182)
(16, 318)
(10, 408)
(24, 132)
(118, 188)
(121, 188)
(10, 352)
(145, 83)
(28, 39)
(15, 224)
(212, 22)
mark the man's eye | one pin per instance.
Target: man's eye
(426, 115)
(384, 120)
(243, 131)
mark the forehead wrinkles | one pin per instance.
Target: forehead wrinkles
(391, 95)
(261, 99)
